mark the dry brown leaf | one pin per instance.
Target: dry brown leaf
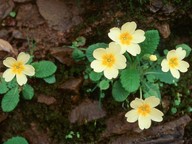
(6, 46)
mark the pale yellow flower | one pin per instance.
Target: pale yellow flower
(153, 57)
(174, 62)
(128, 38)
(18, 68)
(144, 112)
(108, 60)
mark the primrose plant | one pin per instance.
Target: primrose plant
(14, 81)
(132, 66)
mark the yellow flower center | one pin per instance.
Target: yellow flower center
(108, 60)
(126, 38)
(18, 67)
(173, 62)
(144, 109)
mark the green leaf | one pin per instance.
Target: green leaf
(77, 54)
(91, 48)
(118, 92)
(10, 100)
(104, 84)
(13, 83)
(186, 48)
(151, 89)
(16, 140)
(3, 86)
(151, 42)
(27, 92)
(95, 76)
(130, 79)
(44, 69)
(50, 79)
(165, 77)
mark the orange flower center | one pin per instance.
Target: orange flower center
(144, 110)
(18, 67)
(173, 62)
(108, 60)
(125, 38)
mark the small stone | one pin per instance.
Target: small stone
(72, 85)
(155, 5)
(22, 1)
(87, 111)
(164, 29)
(28, 16)
(6, 6)
(63, 55)
(46, 99)
(17, 34)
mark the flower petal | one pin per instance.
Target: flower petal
(136, 103)
(175, 73)
(156, 115)
(21, 79)
(171, 54)
(134, 49)
(181, 53)
(114, 48)
(114, 34)
(183, 66)
(98, 53)
(132, 116)
(129, 27)
(97, 66)
(29, 70)
(9, 61)
(152, 101)
(23, 57)
(144, 122)
(138, 36)
(164, 65)
(8, 75)
(111, 73)
(120, 62)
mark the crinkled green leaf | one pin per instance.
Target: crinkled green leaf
(91, 48)
(151, 89)
(77, 54)
(151, 42)
(186, 48)
(94, 76)
(10, 100)
(50, 80)
(165, 77)
(104, 84)
(44, 69)
(16, 140)
(27, 92)
(13, 83)
(130, 79)
(3, 86)
(118, 92)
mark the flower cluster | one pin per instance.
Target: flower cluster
(132, 57)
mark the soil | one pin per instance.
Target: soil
(64, 112)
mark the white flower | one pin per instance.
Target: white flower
(128, 38)
(153, 57)
(144, 112)
(174, 62)
(108, 60)
(18, 68)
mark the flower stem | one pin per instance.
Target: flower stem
(140, 90)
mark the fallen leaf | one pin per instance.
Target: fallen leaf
(6, 46)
